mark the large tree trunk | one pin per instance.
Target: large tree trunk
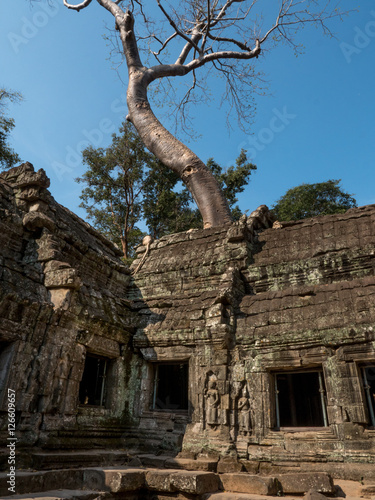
(197, 177)
(124, 245)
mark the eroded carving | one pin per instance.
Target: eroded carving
(244, 413)
(212, 399)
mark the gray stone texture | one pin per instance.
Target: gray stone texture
(300, 483)
(239, 303)
(63, 293)
(247, 483)
(195, 483)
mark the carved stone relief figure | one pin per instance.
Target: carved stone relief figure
(244, 413)
(34, 380)
(60, 382)
(27, 371)
(212, 400)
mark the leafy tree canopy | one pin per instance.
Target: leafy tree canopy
(169, 206)
(114, 181)
(166, 204)
(311, 200)
(8, 157)
(125, 185)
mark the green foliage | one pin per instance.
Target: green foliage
(168, 205)
(8, 157)
(124, 184)
(114, 181)
(233, 180)
(311, 200)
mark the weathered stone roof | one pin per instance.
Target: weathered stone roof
(298, 252)
(307, 275)
(52, 258)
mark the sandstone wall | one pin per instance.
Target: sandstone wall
(247, 306)
(63, 295)
(257, 322)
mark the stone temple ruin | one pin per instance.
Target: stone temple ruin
(244, 351)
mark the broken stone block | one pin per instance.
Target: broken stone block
(37, 220)
(195, 483)
(247, 483)
(24, 176)
(236, 233)
(62, 278)
(114, 480)
(300, 483)
(159, 480)
(128, 480)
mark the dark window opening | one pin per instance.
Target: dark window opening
(368, 374)
(92, 387)
(6, 356)
(171, 387)
(300, 400)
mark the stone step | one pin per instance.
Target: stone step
(301, 482)
(156, 461)
(124, 480)
(249, 483)
(113, 480)
(282, 484)
(241, 496)
(185, 482)
(339, 470)
(203, 464)
(75, 459)
(37, 481)
(368, 491)
(56, 495)
(41, 460)
(165, 480)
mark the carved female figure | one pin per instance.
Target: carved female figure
(212, 403)
(244, 409)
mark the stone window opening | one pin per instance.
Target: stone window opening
(92, 390)
(368, 378)
(300, 400)
(6, 356)
(171, 387)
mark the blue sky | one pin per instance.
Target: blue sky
(315, 123)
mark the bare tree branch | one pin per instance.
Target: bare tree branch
(208, 25)
(241, 45)
(164, 44)
(227, 54)
(174, 26)
(206, 35)
(187, 48)
(78, 7)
